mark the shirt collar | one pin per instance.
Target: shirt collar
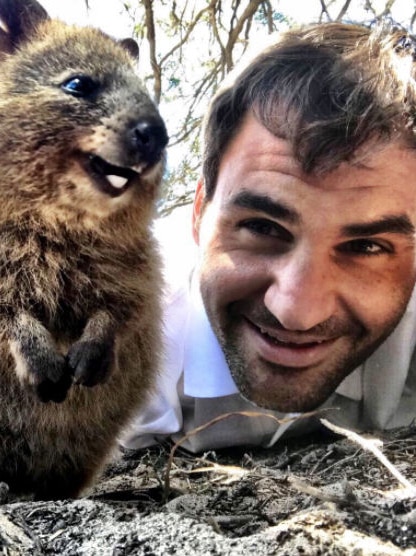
(206, 373)
(388, 366)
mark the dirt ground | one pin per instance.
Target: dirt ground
(320, 495)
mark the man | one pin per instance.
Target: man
(301, 294)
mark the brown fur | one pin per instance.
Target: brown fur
(79, 272)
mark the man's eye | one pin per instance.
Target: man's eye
(366, 247)
(264, 227)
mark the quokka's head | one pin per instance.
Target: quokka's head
(78, 132)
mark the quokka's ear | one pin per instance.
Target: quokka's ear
(131, 46)
(18, 20)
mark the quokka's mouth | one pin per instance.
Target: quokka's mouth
(110, 179)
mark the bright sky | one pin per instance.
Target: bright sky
(110, 16)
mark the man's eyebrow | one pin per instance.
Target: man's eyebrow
(263, 203)
(392, 224)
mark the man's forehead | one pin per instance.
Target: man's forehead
(389, 166)
(254, 142)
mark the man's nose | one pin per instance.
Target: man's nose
(303, 293)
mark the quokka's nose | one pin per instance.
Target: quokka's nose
(150, 138)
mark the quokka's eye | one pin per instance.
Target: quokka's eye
(80, 86)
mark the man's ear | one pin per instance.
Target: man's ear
(199, 203)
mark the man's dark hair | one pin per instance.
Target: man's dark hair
(328, 89)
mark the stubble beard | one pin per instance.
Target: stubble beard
(325, 381)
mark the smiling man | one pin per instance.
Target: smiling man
(303, 277)
(301, 290)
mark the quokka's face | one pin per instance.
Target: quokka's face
(83, 134)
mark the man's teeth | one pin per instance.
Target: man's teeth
(279, 341)
(265, 333)
(117, 181)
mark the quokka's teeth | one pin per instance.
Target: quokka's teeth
(117, 181)
(139, 168)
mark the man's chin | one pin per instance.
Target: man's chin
(287, 399)
(283, 406)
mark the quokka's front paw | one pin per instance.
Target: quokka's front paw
(55, 389)
(52, 377)
(37, 361)
(91, 361)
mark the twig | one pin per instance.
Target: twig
(197, 430)
(335, 464)
(232, 472)
(371, 444)
(347, 497)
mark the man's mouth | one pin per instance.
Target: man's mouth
(295, 343)
(110, 179)
(289, 349)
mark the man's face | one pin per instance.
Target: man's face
(303, 276)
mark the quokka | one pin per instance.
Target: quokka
(82, 156)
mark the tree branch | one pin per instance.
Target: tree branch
(151, 38)
(344, 10)
(324, 10)
(247, 15)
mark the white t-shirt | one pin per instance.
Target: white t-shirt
(195, 385)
